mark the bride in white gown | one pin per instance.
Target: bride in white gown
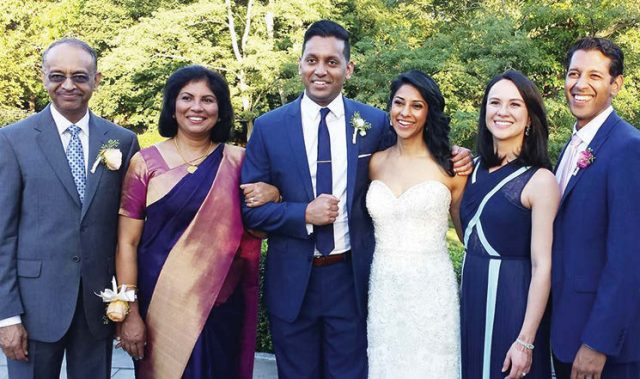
(413, 324)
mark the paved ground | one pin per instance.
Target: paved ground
(122, 367)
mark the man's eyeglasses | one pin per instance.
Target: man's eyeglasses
(76, 78)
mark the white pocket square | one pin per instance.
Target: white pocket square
(363, 155)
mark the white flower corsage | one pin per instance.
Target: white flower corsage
(118, 300)
(360, 126)
(109, 155)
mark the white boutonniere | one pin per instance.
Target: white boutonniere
(109, 155)
(360, 126)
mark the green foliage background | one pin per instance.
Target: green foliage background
(255, 45)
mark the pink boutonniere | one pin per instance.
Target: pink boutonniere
(585, 160)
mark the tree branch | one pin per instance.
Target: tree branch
(232, 32)
(247, 26)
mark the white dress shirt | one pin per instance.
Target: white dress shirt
(310, 112)
(62, 124)
(586, 134)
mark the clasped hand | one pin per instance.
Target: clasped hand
(131, 335)
(257, 194)
(323, 210)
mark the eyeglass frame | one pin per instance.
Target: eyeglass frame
(79, 78)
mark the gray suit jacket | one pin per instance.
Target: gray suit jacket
(50, 243)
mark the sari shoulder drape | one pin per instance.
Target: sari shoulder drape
(197, 274)
(148, 179)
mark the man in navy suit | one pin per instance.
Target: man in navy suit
(596, 255)
(58, 225)
(320, 235)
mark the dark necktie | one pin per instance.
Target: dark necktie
(75, 156)
(324, 183)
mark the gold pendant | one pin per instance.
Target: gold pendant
(191, 169)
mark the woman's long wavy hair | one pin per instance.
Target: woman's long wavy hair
(436, 128)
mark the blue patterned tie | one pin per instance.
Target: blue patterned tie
(324, 183)
(75, 156)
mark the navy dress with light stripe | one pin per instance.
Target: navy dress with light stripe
(497, 273)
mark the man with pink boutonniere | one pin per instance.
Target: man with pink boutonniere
(595, 321)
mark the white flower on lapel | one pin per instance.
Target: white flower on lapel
(109, 155)
(360, 126)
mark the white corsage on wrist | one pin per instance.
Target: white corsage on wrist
(109, 155)
(360, 126)
(118, 299)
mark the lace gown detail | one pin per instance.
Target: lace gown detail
(413, 324)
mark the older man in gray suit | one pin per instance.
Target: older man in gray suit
(59, 200)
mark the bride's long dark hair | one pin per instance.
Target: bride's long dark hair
(436, 128)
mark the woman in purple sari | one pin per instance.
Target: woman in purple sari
(181, 241)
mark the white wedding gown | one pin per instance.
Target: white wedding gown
(413, 325)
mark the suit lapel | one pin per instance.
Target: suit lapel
(51, 146)
(595, 145)
(97, 137)
(296, 141)
(352, 152)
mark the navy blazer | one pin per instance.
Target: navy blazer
(596, 255)
(276, 155)
(49, 241)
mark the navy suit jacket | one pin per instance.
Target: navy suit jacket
(596, 253)
(49, 241)
(276, 155)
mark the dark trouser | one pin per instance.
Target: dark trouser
(86, 356)
(610, 371)
(329, 337)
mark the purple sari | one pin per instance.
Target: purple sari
(197, 268)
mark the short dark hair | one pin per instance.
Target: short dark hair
(167, 125)
(328, 28)
(603, 45)
(534, 147)
(75, 42)
(436, 127)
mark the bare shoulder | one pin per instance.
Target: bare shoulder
(543, 178)
(376, 163)
(542, 187)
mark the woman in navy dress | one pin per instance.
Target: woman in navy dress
(507, 216)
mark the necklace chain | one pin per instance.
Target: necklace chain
(192, 163)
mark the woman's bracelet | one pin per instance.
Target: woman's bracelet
(132, 287)
(528, 346)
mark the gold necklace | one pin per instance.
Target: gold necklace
(192, 166)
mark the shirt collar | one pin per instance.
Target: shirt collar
(308, 106)
(62, 123)
(587, 132)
